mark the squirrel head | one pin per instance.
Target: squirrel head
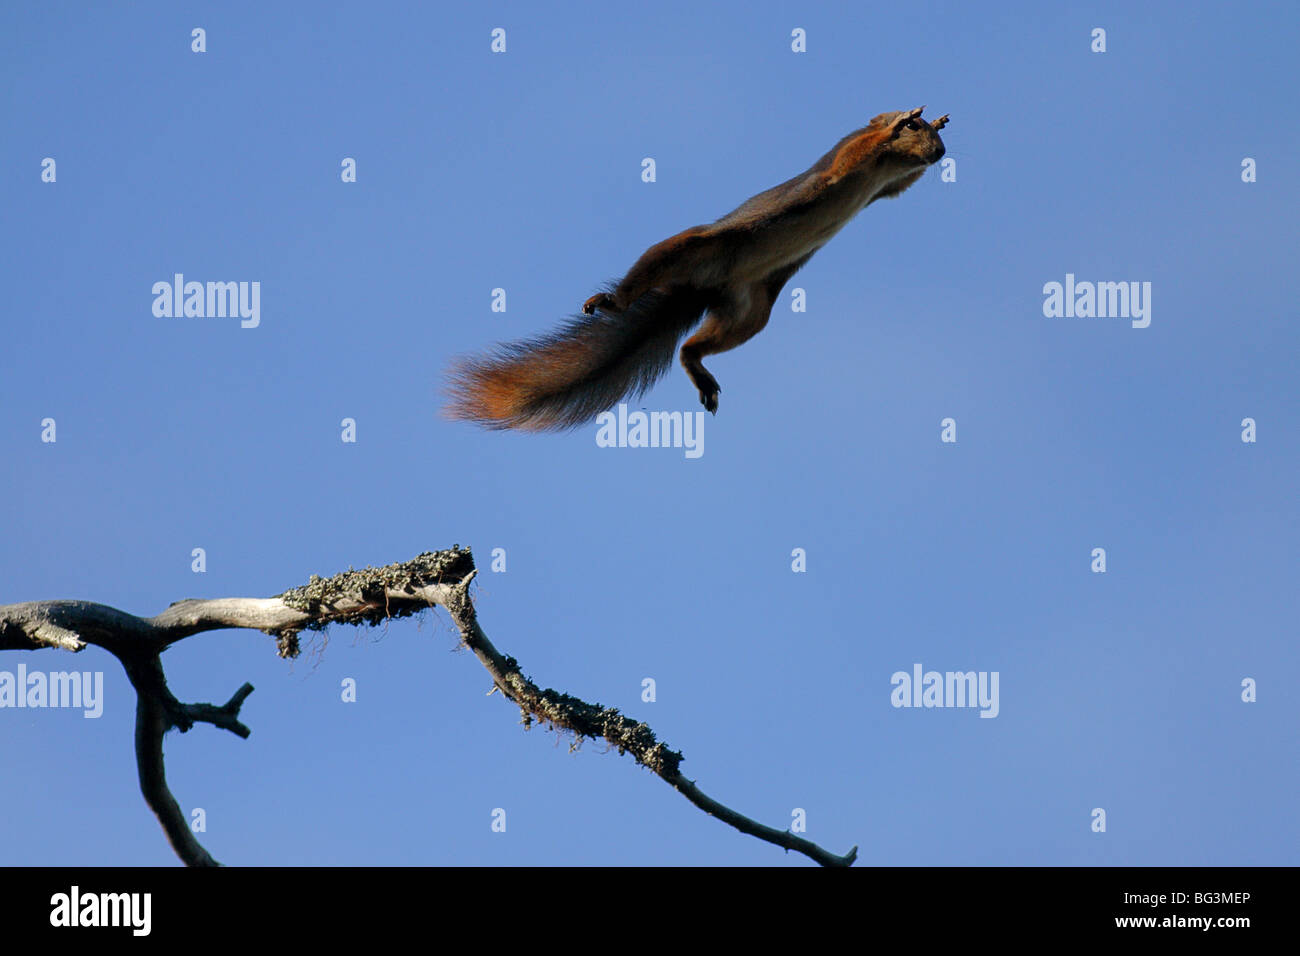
(912, 141)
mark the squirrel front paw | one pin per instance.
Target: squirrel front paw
(601, 300)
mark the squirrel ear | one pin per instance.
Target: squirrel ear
(941, 122)
(901, 120)
(905, 117)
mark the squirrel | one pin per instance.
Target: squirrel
(733, 270)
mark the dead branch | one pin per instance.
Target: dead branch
(368, 596)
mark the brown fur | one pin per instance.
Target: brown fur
(732, 269)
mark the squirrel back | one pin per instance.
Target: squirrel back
(733, 269)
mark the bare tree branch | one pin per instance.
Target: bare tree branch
(592, 720)
(368, 596)
(151, 722)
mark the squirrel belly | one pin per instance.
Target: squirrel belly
(729, 272)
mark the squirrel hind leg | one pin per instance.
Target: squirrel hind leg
(702, 379)
(709, 396)
(730, 322)
(606, 300)
(703, 342)
(691, 354)
(601, 300)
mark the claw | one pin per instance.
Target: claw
(601, 300)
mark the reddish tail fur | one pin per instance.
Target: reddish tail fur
(735, 268)
(567, 377)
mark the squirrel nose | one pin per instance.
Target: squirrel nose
(938, 153)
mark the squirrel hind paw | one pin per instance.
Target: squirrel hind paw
(601, 300)
(709, 400)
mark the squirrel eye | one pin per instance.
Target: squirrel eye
(913, 124)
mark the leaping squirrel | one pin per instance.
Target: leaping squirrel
(733, 269)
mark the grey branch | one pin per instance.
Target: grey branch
(368, 596)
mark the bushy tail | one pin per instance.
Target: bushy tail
(569, 376)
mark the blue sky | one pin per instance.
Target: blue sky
(1118, 690)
